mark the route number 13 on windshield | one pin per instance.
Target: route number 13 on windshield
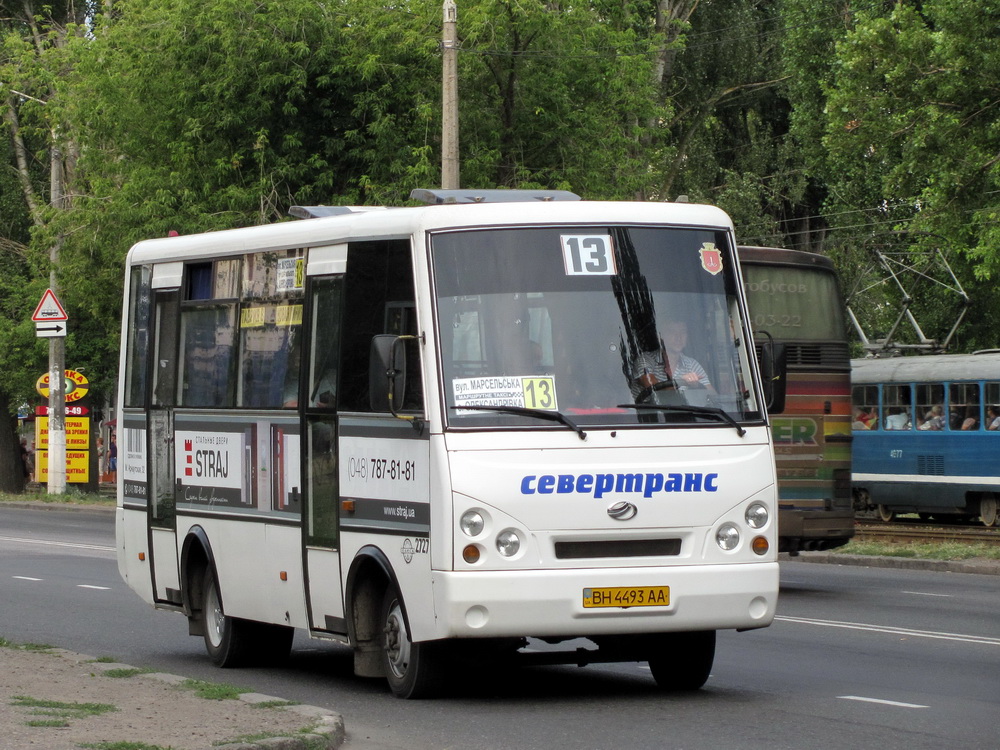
(588, 255)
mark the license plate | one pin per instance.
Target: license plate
(627, 596)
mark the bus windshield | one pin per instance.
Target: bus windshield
(608, 325)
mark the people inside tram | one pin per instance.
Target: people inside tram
(898, 419)
(993, 418)
(934, 419)
(971, 421)
(863, 419)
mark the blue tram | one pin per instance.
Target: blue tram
(927, 436)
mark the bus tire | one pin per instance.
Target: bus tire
(683, 661)
(412, 670)
(227, 639)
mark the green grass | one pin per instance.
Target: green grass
(40, 647)
(124, 746)
(58, 712)
(273, 704)
(922, 550)
(214, 691)
(126, 672)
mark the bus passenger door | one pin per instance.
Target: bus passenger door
(322, 513)
(160, 450)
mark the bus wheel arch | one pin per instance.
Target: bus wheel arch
(196, 558)
(229, 641)
(368, 579)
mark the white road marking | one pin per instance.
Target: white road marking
(26, 578)
(984, 640)
(51, 543)
(98, 588)
(927, 593)
(880, 701)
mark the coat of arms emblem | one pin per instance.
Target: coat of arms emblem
(711, 258)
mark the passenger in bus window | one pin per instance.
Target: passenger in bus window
(897, 420)
(934, 419)
(993, 417)
(862, 420)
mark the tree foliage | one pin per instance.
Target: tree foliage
(834, 126)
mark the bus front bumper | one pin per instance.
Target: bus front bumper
(551, 604)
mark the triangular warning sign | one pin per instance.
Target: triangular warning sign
(49, 308)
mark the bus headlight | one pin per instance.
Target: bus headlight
(727, 537)
(472, 523)
(508, 543)
(757, 516)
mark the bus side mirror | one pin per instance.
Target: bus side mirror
(774, 373)
(386, 373)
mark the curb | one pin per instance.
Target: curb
(980, 567)
(328, 735)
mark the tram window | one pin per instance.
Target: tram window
(865, 401)
(930, 407)
(964, 407)
(896, 411)
(992, 391)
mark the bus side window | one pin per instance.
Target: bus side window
(208, 335)
(271, 329)
(137, 359)
(378, 296)
(324, 347)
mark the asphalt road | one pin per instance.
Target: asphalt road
(858, 657)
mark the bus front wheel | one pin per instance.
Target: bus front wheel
(411, 669)
(682, 661)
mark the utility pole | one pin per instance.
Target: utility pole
(57, 398)
(449, 98)
(57, 349)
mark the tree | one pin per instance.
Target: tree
(911, 136)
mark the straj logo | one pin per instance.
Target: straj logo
(407, 550)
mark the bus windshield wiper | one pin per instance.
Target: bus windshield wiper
(552, 416)
(706, 411)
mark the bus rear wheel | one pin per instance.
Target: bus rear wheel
(233, 642)
(683, 661)
(413, 670)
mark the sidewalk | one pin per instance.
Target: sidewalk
(60, 700)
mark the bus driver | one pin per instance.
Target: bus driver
(669, 363)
